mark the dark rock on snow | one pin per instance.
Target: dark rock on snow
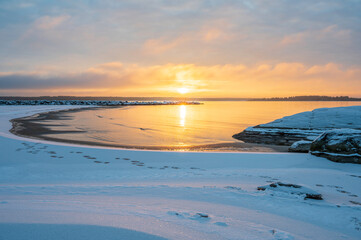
(339, 145)
(300, 146)
(292, 189)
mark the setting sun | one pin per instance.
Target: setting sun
(183, 90)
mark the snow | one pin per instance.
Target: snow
(298, 143)
(321, 118)
(62, 191)
(337, 136)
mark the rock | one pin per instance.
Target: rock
(302, 126)
(288, 185)
(202, 215)
(275, 136)
(339, 145)
(292, 189)
(264, 136)
(302, 146)
(313, 196)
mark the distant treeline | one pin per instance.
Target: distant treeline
(295, 98)
(308, 98)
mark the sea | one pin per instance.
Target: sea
(212, 122)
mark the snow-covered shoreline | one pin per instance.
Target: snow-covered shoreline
(303, 126)
(171, 195)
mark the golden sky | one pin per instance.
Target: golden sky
(180, 48)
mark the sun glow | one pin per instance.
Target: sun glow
(183, 90)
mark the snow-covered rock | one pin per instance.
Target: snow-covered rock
(339, 145)
(302, 126)
(292, 189)
(300, 146)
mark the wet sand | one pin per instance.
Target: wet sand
(35, 127)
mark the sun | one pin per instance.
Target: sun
(183, 90)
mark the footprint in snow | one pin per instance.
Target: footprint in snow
(233, 188)
(356, 176)
(354, 202)
(222, 224)
(200, 217)
(197, 216)
(342, 191)
(280, 235)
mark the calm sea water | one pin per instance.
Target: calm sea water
(177, 125)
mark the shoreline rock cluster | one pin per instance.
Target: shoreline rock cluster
(333, 133)
(338, 145)
(94, 102)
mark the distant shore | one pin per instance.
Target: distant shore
(125, 99)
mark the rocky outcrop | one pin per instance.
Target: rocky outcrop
(300, 146)
(302, 126)
(339, 145)
(275, 136)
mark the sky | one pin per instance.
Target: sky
(228, 48)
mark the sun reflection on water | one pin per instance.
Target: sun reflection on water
(182, 115)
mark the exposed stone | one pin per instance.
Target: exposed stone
(339, 145)
(292, 189)
(313, 196)
(288, 185)
(264, 136)
(302, 146)
(203, 215)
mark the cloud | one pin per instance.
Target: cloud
(114, 78)
(212, 32)
(76, 35)
(329, 33)
(49, 22)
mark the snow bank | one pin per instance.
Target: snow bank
(48, 189)
(321, 118)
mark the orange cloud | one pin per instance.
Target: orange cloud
(263, 80)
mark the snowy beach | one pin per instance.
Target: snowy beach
(63, 191)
